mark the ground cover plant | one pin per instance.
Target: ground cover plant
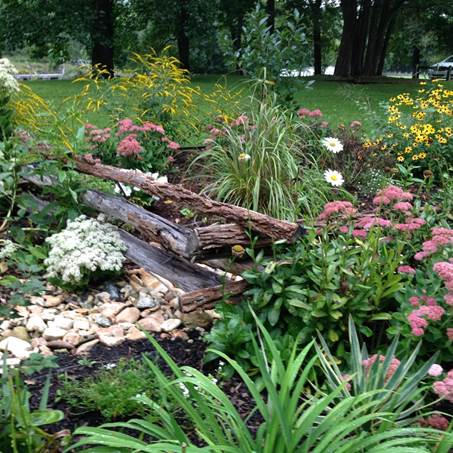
(324, 294)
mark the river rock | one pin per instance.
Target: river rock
(170, 324)
(197, 319)
(111, 336)
(103, 297)
(62, 322)
(152, 323)
(17, 347)
(110, 310)
(49, 301)
(130, 314)
(73, 338)
(81, 324)
(103, 321)
(59, 344)
(113, 291)
(36, 324)
(147, 301)
(135, 334)
(49, 314)
(21, 332)
(86, 347)
(54, 333)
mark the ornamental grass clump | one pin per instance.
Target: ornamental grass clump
(253, 160)
(85, 249)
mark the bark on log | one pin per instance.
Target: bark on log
(268, 226)
(182, 273)
(205, 298)
(220, 235)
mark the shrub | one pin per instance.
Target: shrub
(129, 145)
(8, 86)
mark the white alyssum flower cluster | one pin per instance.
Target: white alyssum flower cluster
(85, 245)
(8, 82)
(7, 249)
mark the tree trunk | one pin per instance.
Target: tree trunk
(343, 65)
(270, 9)
(315, 6)
(367, 26)
(102, 37)
(415, 62)
(182, 37)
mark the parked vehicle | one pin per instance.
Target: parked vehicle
(442, 70)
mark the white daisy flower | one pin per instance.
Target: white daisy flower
(334, 178)
(332, 144)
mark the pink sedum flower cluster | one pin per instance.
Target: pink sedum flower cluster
(435, 421)
(427, 310)
(394, 364)
(129, 146)
(337, 210)
(444, 388)
(441, 237)
(304, 112)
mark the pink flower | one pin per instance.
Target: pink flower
(129, 146)
(151, 127)
(406, 270)
(435, 421)
(324, 124)
(303, 112)
(173, 145)
(414, 301)
(394, 364)
(450, 334)
(444, 388)
(240, 121)
(344, 229)
(435, 370)
(315, 113)
(402, 206)
(448, 298)
(171, 159)
(359, 233)
(342, 209)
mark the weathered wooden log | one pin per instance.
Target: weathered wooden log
(171, 236)
(268, 226)
(228, 265)
(217, 236)
(182, 273)
(205, 298)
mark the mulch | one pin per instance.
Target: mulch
(183, 352)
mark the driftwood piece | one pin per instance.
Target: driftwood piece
(182, 273)
(205, 298)
(268, 226)
(171, 236)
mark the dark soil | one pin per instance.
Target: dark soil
(183, 353)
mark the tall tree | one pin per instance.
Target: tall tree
(367, 27)
(102, 37)
(270, 9)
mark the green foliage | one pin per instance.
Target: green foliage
(111, 391)
(293, 420)
(20, 427)
(286, 43)
(396, 386)
(253, 162)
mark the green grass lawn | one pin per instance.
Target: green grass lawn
(340, 102)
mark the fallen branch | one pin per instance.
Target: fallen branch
(268, 226)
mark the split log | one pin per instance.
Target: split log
(268, 226)
(182, 273)
(206, 298)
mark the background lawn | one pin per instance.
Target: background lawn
(340, 102)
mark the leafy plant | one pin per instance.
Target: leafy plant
(395, 385)
(293, 420)
(111, 391)
(20, 427)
